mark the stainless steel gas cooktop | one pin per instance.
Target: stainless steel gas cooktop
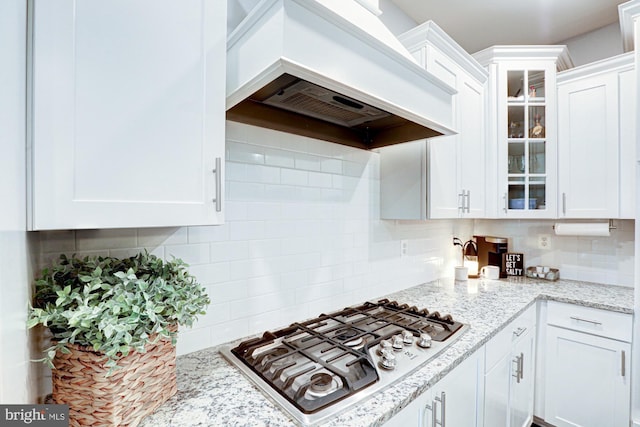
(321, 367)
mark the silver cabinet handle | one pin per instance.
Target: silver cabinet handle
(516, 374)
(463, 198)
(521, 366)
(519, 331)
(580, 319)
(468, 207)
(623, 357)
(218, 172)
(519, 374)
(431, 408)
(506, 205)
(443, 403)
(564, 204)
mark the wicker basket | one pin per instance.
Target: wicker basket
(144, 382)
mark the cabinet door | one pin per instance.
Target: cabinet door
(587, 380)
(588, 147)
(452, 402)
(457, 163)
(412, 414)
(403, 186)
(627, 105)
(445, 198)
(509, 386)
(127, 113)
(496, 393)
(522, 380)
(471, 151)
(527, 153)
(455, 397)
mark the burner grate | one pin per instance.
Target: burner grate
(321, 361)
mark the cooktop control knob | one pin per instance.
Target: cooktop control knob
(388, 360)
(384, 345)
(425, 340)
(397, 342)
(407, 337)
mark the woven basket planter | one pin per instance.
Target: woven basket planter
(144, 382)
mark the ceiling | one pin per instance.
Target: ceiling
(476, 25)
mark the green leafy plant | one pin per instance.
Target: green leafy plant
(114, 306)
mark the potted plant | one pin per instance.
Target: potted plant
(113, 325)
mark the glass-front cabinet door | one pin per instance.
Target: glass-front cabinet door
(523, 128)
(526, 141)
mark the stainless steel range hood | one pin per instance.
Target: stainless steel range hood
(331, 70)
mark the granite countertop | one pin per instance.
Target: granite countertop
(211, 392)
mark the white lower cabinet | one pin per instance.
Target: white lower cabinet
(509, 374)
(451, 402)
(587, 380)
(583, 379)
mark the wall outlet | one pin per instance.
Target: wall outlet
(403, 248)
(544, 241)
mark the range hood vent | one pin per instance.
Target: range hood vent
(315, 101)
(304, 67)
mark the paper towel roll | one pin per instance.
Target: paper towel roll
(582, 229)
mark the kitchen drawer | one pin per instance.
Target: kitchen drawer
(608, 324)
(501, 344)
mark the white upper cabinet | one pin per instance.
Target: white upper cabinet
(627, 134)
(448, 181)
(523, 132)
(596, 133)
(127, 107)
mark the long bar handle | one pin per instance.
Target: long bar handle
(580, 319)
(468, 207)
(506, 206)
(516, 374)
(521, 366)
(564, 204)
(431, 408)
(443, 403)
(218, 172)
(623, 358)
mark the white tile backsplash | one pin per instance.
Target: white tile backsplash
(91, 240)
(607, 260)
(303, 236)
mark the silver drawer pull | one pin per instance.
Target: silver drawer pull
(519, 331)
(623, 363)
(580, 319)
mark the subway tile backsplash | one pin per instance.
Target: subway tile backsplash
(303, 236)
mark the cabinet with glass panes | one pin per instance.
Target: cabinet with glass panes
(523, 134)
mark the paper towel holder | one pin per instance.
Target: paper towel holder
(612, 226)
